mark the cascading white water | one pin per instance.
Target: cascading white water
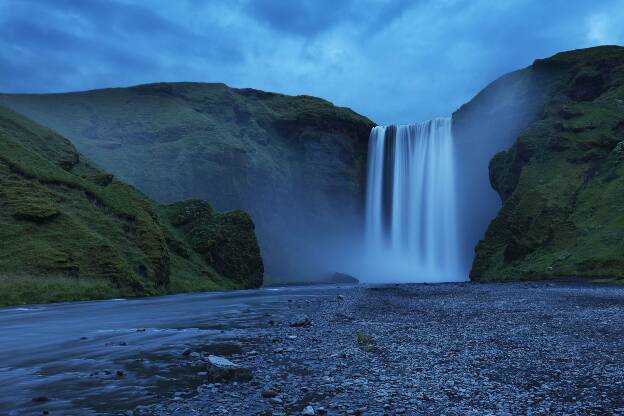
(411, 213)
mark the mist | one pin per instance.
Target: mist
(488, 124)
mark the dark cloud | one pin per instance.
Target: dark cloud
(395, 61)
(312, 17)
(308, 17)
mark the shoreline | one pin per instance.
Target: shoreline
(432, 349)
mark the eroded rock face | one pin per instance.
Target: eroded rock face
(561, 181)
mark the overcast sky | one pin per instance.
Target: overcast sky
(393, 61)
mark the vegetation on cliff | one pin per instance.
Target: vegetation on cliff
(224, 240)
(295, 163)
(71, 231)
(562, 181)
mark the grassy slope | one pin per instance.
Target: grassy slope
(70, 231)
(291, 162)
(562, 182)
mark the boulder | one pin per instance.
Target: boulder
(344, 278)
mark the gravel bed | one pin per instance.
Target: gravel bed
(438, 349)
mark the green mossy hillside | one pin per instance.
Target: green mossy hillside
(562, 182)
(296, 164)
(70, 231)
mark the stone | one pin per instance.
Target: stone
(301, 321)
(269, 394)
(308, 411)
(221, 362)
(40, 399)
(225, 371)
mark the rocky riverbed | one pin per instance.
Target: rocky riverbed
(451, 349)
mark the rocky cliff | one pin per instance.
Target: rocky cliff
(561, 182)
(72, 231)
(296, 164)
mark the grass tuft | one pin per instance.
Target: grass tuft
(364, 341)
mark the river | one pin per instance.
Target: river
(97, 357)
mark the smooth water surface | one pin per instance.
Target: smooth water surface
(70, 353)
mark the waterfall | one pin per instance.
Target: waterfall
(411, 213)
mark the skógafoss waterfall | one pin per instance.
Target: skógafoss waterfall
(411, 212)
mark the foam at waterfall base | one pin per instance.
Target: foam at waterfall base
(392, 268)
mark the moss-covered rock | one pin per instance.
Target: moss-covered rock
(61, 218)
(562, 181)
(226, 240)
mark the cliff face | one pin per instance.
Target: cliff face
(562, 180)
(296, 164)
(71, 231)
(488, 124)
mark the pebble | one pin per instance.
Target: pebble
(40, 399)
(269, 394)
(301, 321)
(221, 362)
(479, 349)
